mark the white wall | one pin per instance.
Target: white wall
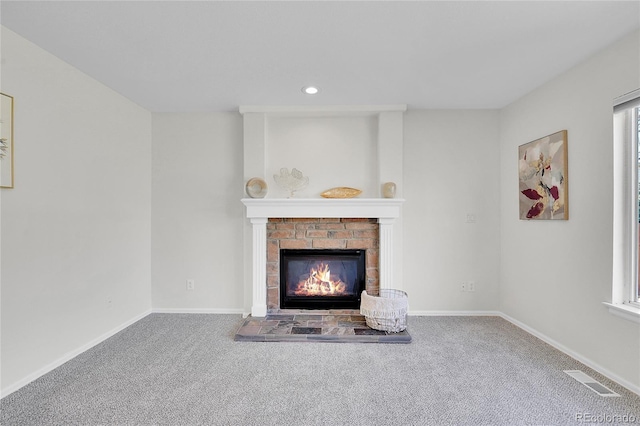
(76, 227)
(554, 275)
(451, 169)
(331, 151)
(197, 219)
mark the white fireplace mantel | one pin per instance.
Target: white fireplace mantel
(259, 210)
(388, 208)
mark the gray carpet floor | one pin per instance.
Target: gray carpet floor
(178, 369)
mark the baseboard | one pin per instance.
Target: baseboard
(586, 361)
(197, 311)
(454, 313)
(69, 356)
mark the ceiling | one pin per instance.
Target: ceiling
(188, 56)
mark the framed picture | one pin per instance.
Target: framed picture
(6, 141)
(542, 169)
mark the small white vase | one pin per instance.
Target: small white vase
(389, 190)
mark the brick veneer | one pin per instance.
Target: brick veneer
(305, 233)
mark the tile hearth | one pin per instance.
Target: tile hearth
(327, 326)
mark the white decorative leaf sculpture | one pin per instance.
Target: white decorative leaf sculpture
(292, 182)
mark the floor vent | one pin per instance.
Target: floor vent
(591, 383)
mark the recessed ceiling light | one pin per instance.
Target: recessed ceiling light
(310, 90)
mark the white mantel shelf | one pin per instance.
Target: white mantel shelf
(381, 208)
(259, 210)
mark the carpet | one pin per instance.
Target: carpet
(186, 369)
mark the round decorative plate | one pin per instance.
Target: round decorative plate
(256, 188)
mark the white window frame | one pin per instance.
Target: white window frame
(624, 300)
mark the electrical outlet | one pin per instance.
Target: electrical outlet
(471, 286)
(463, 286)
(471, 218)
(191, 285)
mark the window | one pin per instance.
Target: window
(635, 130)
(626, 208)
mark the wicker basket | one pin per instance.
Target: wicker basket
(387, 312)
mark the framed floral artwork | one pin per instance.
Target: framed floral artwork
(542, 169)
(6, 141)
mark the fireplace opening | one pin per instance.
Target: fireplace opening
(321, 279)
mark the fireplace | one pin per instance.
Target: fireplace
(268, 235)
(321, 279)
(269, 139)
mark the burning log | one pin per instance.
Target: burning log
(319, 282)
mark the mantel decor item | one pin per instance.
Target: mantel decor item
(292, 182)
(389, 190)
(341, 192)
(256, 188)
(6, 141)
(542, 169)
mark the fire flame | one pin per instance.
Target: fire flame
(320, 283)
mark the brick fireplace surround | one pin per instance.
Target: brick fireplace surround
(318, 223)
(320, 233)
